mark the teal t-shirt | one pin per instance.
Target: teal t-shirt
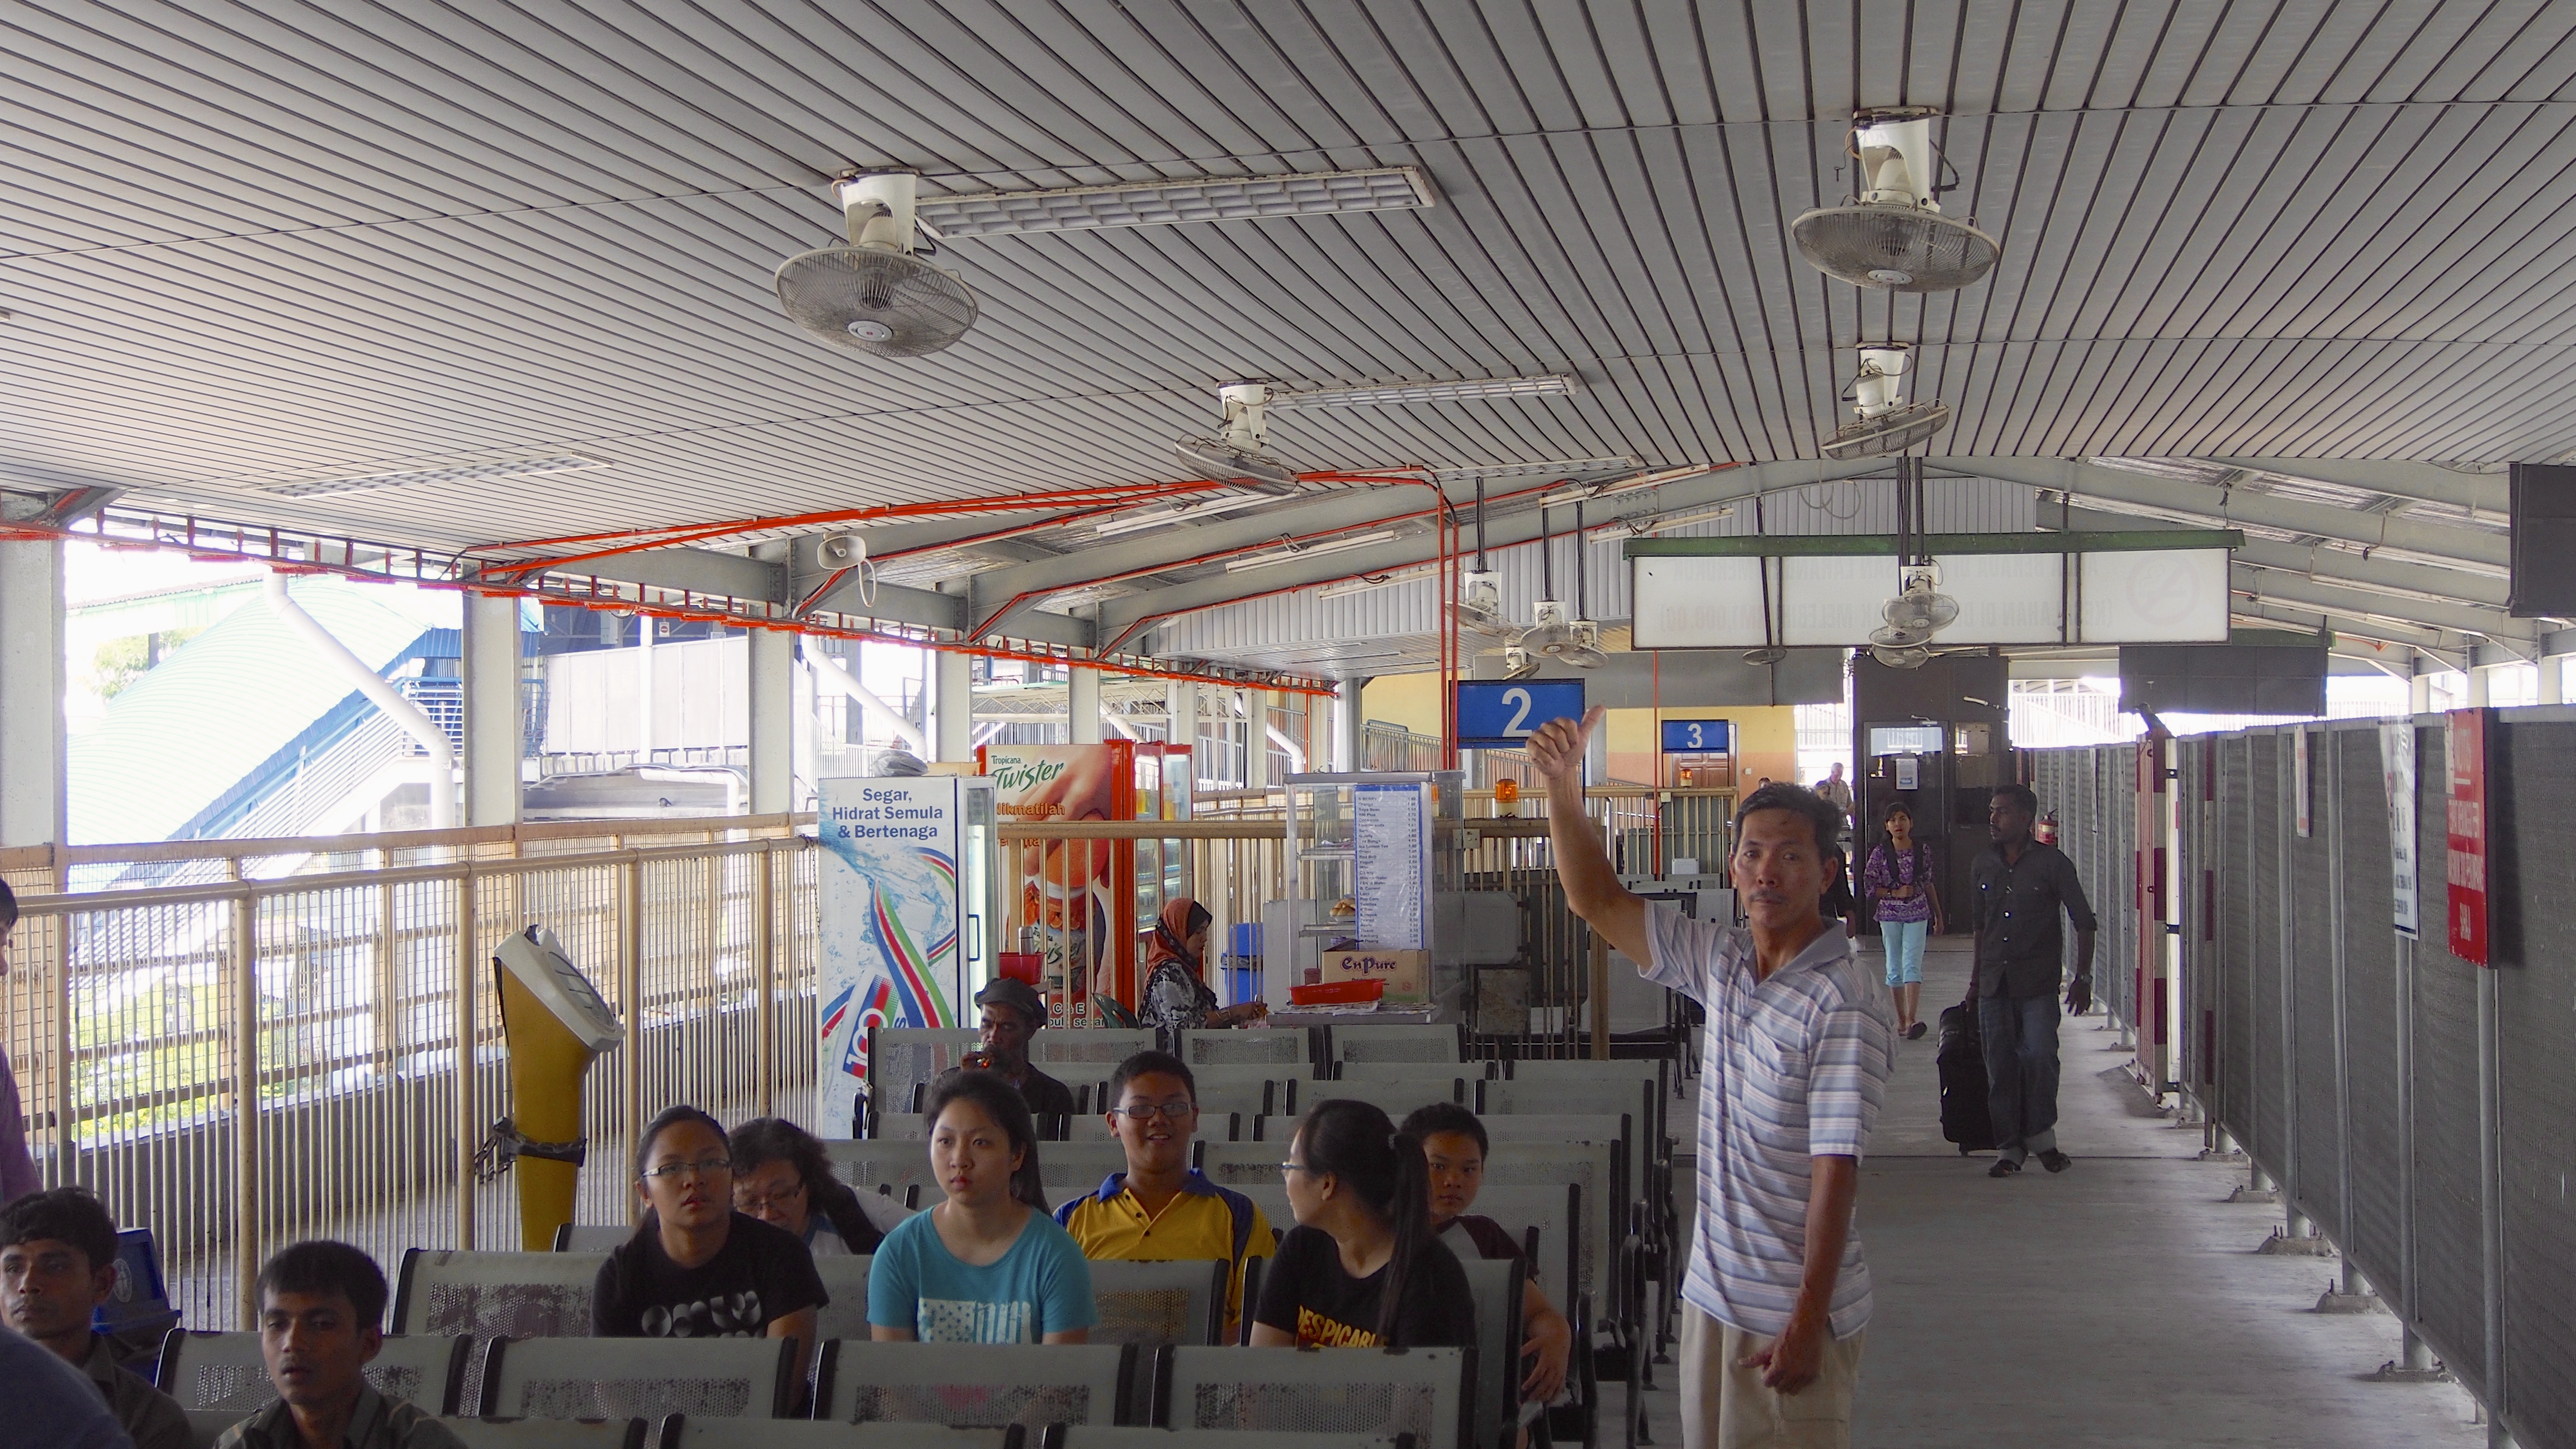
(1041, 1286)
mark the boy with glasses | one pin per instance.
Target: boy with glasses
(1161, 1208)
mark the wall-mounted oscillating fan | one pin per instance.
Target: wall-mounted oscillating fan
(1556, 634)
(1919, 611)
(873, 294)
(1894, 235)
(1480, 589)
(1240, 450)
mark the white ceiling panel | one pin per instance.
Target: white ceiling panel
(247, 241)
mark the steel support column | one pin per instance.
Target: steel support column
(33, 795)
(494, 742)
(1352, 706)
(772, 694)
(953, 705)
(1082, 705)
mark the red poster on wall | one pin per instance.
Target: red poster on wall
(2465, 831)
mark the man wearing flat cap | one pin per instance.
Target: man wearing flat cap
(1012, 1015)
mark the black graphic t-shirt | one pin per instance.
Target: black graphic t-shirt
(1307, 1293)
(760, 1274)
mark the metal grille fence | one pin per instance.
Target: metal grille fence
(2415, 1108)
(241, 1064)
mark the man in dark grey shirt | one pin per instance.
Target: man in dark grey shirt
(2020, 886)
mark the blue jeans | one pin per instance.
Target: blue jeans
(2020, 1039)
(1904, 940)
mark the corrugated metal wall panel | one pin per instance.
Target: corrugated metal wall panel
(2536, 1001)
(2310, 900)
(2448, 1255)
(2370, 1012)
(2263, 955)
(2236, 944)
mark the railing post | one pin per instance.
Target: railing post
(469, 1132)
(764, 976)
(245, 1004)
(630, 1000)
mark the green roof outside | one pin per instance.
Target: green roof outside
(177, 738)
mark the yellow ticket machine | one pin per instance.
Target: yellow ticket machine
(555, 1024)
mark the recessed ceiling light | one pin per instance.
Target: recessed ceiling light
(461, 472)
(1167, 203)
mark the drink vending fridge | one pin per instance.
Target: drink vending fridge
(909, 891)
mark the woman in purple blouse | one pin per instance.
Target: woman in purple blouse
(1905, 903)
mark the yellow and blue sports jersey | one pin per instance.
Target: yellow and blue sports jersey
(1204, 1221)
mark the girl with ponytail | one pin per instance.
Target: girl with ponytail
(1361, 1268)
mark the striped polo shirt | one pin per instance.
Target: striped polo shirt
(1795, 1069)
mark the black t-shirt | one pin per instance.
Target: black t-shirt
(1305, 1292)
(761, 1273)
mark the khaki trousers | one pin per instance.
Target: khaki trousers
(1725, 1406)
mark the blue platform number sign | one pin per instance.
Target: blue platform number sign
(1502, 715)
(1698, 737)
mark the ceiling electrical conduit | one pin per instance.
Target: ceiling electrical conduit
(641, 540)
(832, 674)
(380, 692)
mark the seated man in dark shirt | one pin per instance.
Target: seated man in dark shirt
(1012, 1015)
(321, 1322)
(57, 1265)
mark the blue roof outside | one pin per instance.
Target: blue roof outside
(183, 736)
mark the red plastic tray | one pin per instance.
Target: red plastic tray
(1336, 993)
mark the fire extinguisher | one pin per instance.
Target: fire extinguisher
(2045, 832)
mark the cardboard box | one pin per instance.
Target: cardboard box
(1407, 974)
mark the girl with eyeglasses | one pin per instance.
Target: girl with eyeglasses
(987, 1265)
(696, 1268)
(782, 1176)
(1361, 1269)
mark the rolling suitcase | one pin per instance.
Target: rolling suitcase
(1962, 1064)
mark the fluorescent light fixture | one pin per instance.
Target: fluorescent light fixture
(1647, 480)
(459, 473)
(1465, 389)
(1638, 527)
(1558, 466)
(1180, 513)
(1370, 583)
(1168, 203)
(1286, 555)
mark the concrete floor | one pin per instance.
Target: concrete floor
(2119, 1303)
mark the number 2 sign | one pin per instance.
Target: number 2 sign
(1497, 715)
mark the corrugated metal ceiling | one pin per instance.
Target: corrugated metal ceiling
(252, 241)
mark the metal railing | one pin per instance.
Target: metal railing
(239, 1062)
(2413, 1109)
(243, 1063)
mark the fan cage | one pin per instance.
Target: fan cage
(919, 309)
(1860, 242)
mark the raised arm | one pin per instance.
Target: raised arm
(1583, 867)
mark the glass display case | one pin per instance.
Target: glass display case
(1365, 856)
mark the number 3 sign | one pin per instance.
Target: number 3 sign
(1494, 715)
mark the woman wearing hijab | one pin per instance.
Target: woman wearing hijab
(1176, 995)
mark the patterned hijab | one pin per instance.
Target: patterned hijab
(1182, 918)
